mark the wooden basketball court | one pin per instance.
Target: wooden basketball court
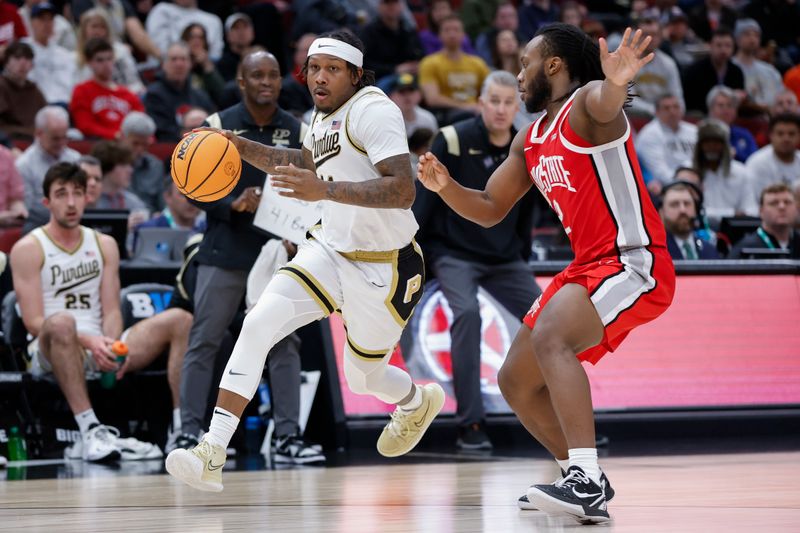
(703, 493)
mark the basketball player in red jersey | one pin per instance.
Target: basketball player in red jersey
(580, 156)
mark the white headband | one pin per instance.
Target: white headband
(336, 48)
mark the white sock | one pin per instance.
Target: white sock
(586, 458)
(223, 425)
(563, 464)
(415, 402)
(176, 420)
(86, 419)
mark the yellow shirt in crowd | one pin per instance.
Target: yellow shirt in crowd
(460, 80)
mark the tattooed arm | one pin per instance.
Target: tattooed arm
(265, 157)
(394, 189)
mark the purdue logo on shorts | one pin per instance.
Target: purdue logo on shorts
(408, 279)
(413, 286)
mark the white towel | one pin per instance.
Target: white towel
(272, 257)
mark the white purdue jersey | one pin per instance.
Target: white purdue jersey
(71, 280)
(346, 144)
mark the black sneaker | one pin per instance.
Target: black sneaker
(525, 504)
(473, 437)
(573, 495)
(184, 441)
(292, 449)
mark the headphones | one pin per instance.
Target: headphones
(697, 196)
(697, 192)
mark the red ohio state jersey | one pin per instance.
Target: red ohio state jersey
(597, 192)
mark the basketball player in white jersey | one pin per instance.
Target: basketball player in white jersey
(66, 278)
(361, 261)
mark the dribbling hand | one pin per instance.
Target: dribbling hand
(621, 65)
(432, 173)
(299, 183)
(228, 134)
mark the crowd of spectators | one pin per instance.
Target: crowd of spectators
(720, 95)
(112, 85)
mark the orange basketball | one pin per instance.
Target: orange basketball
(206, 166)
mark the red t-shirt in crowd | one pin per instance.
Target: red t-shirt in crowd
(98, 110)
(11, 25)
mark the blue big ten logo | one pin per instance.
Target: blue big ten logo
(147, 304)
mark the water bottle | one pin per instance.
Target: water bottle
(266, 403)
(17, 449)
(109, 379)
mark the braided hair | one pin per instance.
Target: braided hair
(580, 53)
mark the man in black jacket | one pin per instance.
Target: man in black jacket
(239, 35)
(778, 213)
(716, 69)
(230, 247)
(712, 14)
(464, 255)
(171, 95)
(392, 48)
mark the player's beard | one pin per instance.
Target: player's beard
(538, 92)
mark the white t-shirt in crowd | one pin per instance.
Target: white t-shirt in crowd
(762, 81)
(660, 76)
(662, 151)
(55, 71)
(166, 21)
(423, 119)
(766, 169)
(725, 196)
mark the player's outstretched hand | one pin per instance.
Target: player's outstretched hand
(432, 173)
(621, 65)
(300, 183)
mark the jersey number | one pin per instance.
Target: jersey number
(78, 301)
(560, 213)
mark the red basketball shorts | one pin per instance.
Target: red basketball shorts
(625, 295)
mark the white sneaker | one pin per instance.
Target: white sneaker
(172, 440)
(200, 467)
(98, 445)
(405, 429)
(132, 449)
